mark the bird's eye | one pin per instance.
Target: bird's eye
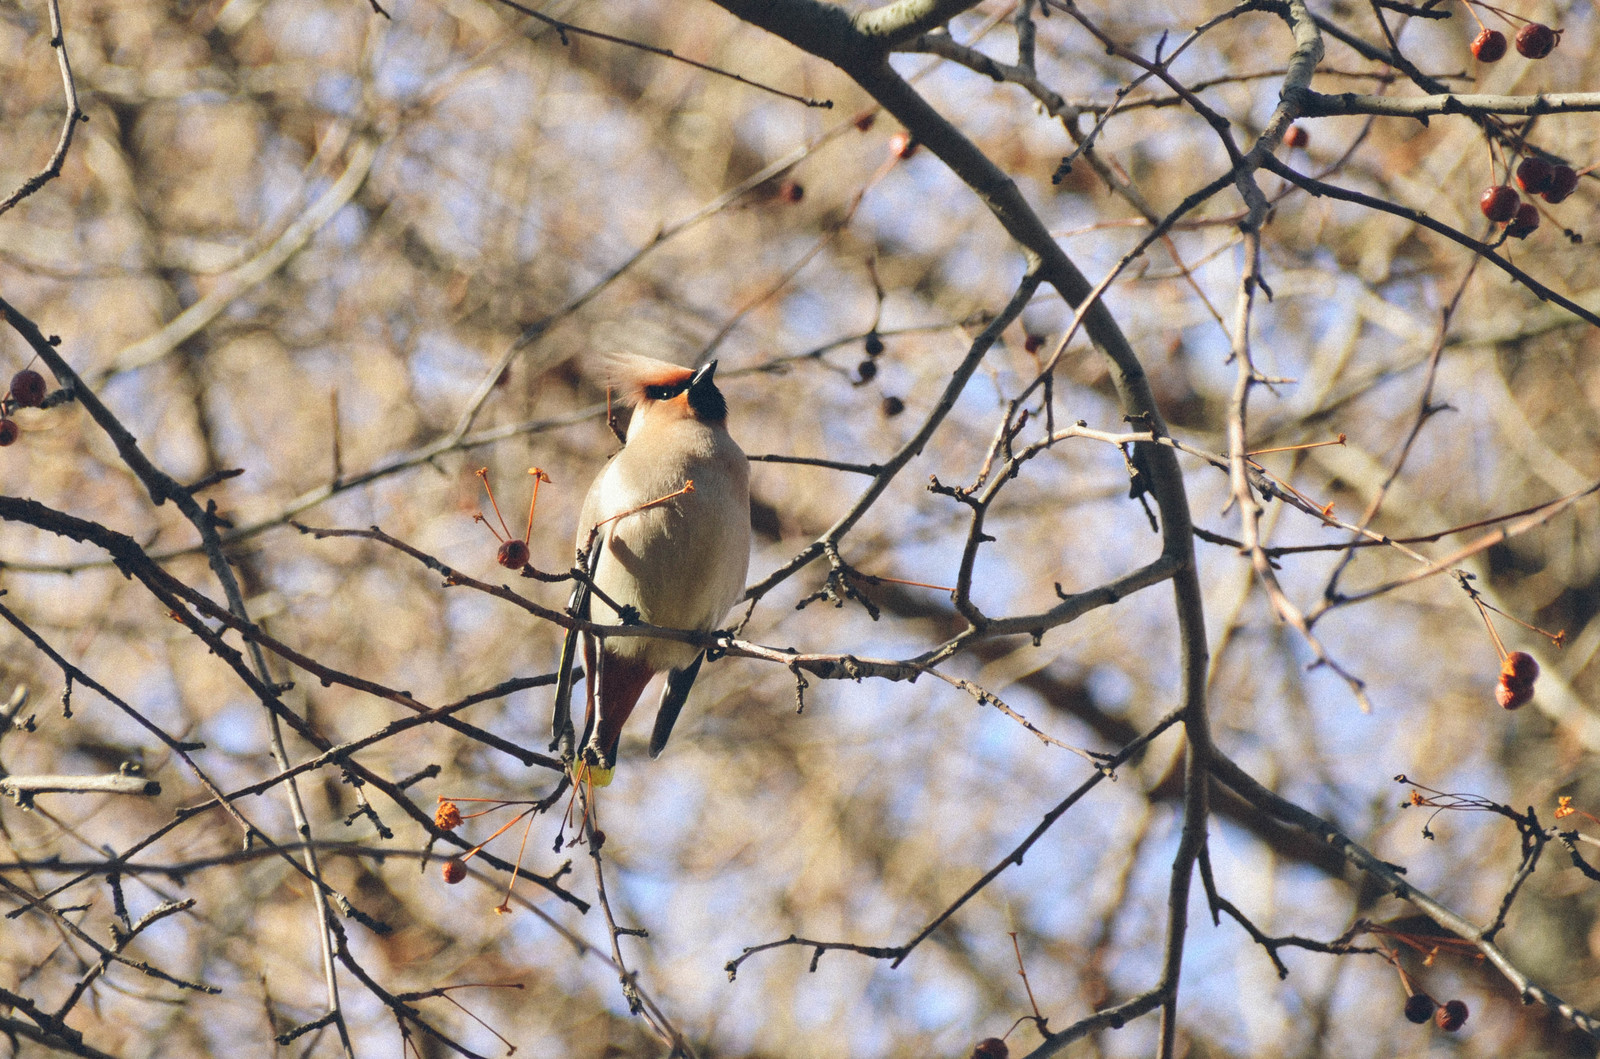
(662, 393)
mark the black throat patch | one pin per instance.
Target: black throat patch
(707, 401)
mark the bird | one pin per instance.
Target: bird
(668, 521)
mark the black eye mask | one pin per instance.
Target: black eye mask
(665, 393)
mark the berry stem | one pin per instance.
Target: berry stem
(688, 487)
(502, 830)
(1474, 15)
(1394, 961)
(1509, 18)
(1483, 612)
(538, 476)
(581, 780)
(483, 473)
(874, 578)
(1023, 971)
(504, 907)
(1340, 440)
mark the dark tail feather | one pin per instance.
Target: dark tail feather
(679, 681)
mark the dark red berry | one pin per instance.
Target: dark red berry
(901, 145)
(1520, 666)
(1524, 223)
(873, 344)
(991, 1048)
(1563, 182)
(1295, 136)
(8, 432)
(1419, 1008)
(1512, 696)
(1536, 40)
(865, 120)
(454, 870)
(1489, 46)
(867, 369)
(1499, 203)
(27, 385)
(513, 555)
(1534, 175)
(791, 191)
(893, 406)
(1518, 673)
(1452, 1016)
(1033, 343)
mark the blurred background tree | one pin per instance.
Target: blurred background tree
(357, 252)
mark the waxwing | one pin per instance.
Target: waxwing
(679, 562)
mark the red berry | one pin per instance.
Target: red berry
(454, 870)
(991, 1048)
(1033, 343)
(1524, 223)
(1519, 666)
(1420, 1007)
(1518, 673)
(1512, 696)
(1534, 175)
(865, 120)
(513, 555)
(901, 145)
(8, 432)
(1295, 136)
(1489, 46)
(1563, 182)
(27, 386)
(1536, 40)
(1452, 1016)
(893, 406)
(1499, 203)
(791, 191)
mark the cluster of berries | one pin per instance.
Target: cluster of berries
(867, 370)
(1535, 40)
(27, 391)
(1535, 176)
(447, 818)
(1517, 675)
(1449, 1016)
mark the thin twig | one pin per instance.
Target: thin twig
(52, 169)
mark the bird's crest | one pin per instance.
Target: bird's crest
(629, 375)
